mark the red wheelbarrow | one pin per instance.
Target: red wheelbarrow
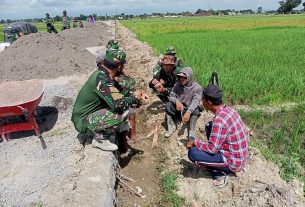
(19, 98)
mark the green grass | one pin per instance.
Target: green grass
(260, 60)
(41, 27)
(169, 187)
(281, 139)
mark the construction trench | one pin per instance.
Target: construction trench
(66, 173)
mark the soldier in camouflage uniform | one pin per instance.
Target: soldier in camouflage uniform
(172, 51)
(65, 21)
(164, 77)
(100, 109)
(77, 23)
(126, 86)
(112, 44)
(50, 24)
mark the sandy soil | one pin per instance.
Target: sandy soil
(66, 174)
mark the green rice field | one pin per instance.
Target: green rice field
(259, 59)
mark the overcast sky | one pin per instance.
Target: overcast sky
(15, 9)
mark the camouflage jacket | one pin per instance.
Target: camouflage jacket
(66, 22)
(99, 92)
(169, 80)
(49, 21)
(125, 84)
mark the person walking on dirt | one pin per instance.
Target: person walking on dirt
(164, 77)
(226, 150)
(184, 103)
(50, 24)
(65, 21)
(91, 19)
(101, 110)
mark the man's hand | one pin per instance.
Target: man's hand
(186, 117)
(189, 144)
(117, 79)
(145, 97)
(160, 88)
(155, 82)
(162, 81)
(138, 94)
(179, 106)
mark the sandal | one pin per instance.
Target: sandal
(221, 181)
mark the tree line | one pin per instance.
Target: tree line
(285, 7)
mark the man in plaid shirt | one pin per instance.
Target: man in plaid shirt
(227, 147)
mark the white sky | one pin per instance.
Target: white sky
(14, 9)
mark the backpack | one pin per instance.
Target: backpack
(214, 79)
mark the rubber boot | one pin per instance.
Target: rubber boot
(132, 131)
(192, 128)
(122, 141)
(170, 126)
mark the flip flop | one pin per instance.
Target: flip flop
(221, 181)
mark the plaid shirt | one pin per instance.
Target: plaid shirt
(229, 137)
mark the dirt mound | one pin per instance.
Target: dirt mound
(44, 55)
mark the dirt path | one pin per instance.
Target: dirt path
(142, 167)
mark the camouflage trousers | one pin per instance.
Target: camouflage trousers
(51, 29)
(105, 121)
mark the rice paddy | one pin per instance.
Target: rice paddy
(259, 59)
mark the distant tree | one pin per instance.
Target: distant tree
(287, 5)
(82, 17)
(94, 16)
(57, 18)
(2, 21)
(199, 11)
(9, 21)
(304, 6)
(259, 10)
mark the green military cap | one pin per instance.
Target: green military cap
(113, 44)
(115, 56)
(170, 50)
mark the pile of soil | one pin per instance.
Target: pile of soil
(46, 56)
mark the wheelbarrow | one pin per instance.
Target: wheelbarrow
(19, 99)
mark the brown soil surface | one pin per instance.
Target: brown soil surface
(43, 55)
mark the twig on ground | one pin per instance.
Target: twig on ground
(128, 188)
(140, 139)
(127, 178)
(155, 138)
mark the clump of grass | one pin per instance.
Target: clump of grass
(37, 204)
(169, 187)
(281, 139)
